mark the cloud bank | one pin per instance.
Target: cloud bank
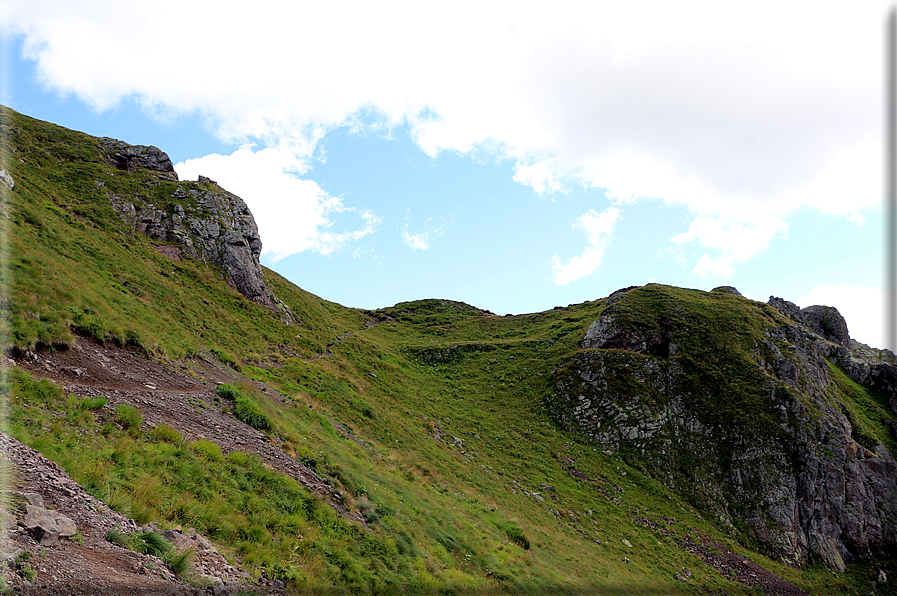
(744, 114)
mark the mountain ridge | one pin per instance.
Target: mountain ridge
(439, 428)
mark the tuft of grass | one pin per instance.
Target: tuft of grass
(166, 434)
(93, 403)
(150, 543)
(128, 417)
(245, 410)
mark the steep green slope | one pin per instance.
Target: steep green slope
(433, 419)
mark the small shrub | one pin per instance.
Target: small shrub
(515, 533)
(128, 417)
(226, 358)
(245, 410)
(307, 456)
(238, 458)
(28, 573)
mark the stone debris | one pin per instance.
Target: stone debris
(51, 519)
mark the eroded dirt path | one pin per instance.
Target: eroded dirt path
(179, 394)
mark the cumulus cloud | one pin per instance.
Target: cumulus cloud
(598, 228)
(862, 307)
(293, 215)
(759, 108)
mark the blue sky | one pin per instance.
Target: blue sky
(519, 160)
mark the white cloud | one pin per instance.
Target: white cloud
(733, 240)
(418, 241)
(421, 240)
(748, 110)
(541, 176)
(293, 215)
(862, 307)
(598, 228)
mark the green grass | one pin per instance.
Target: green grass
(153, 543)
(435, 425)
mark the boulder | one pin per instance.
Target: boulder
(46, 525)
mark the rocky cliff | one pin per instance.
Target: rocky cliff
(736, 405)
(200, 219)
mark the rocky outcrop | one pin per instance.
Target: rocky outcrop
(6, 179)
(727, 290)
(827, 322)
(213, 226)
(824, 321)
(876, 369)
(751, 426)
(129, 157)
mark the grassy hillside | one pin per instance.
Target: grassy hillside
(428, 417)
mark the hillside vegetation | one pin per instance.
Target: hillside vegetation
(443, 431)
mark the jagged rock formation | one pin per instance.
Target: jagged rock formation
(203, 220)
(746, 423)
(128, 157)
(864, 365)
(824, 321)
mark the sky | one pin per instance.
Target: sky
(515, 156)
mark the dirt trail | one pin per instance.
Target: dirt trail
(165, 392)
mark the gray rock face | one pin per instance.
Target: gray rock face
(6, 179)
(824, 321)
(783, 460)
(789, 309)
(871, 368)
(213, 226)
(827, 322)
(127, 157)
(604, 334)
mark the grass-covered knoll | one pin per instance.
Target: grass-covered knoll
(432, 423)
